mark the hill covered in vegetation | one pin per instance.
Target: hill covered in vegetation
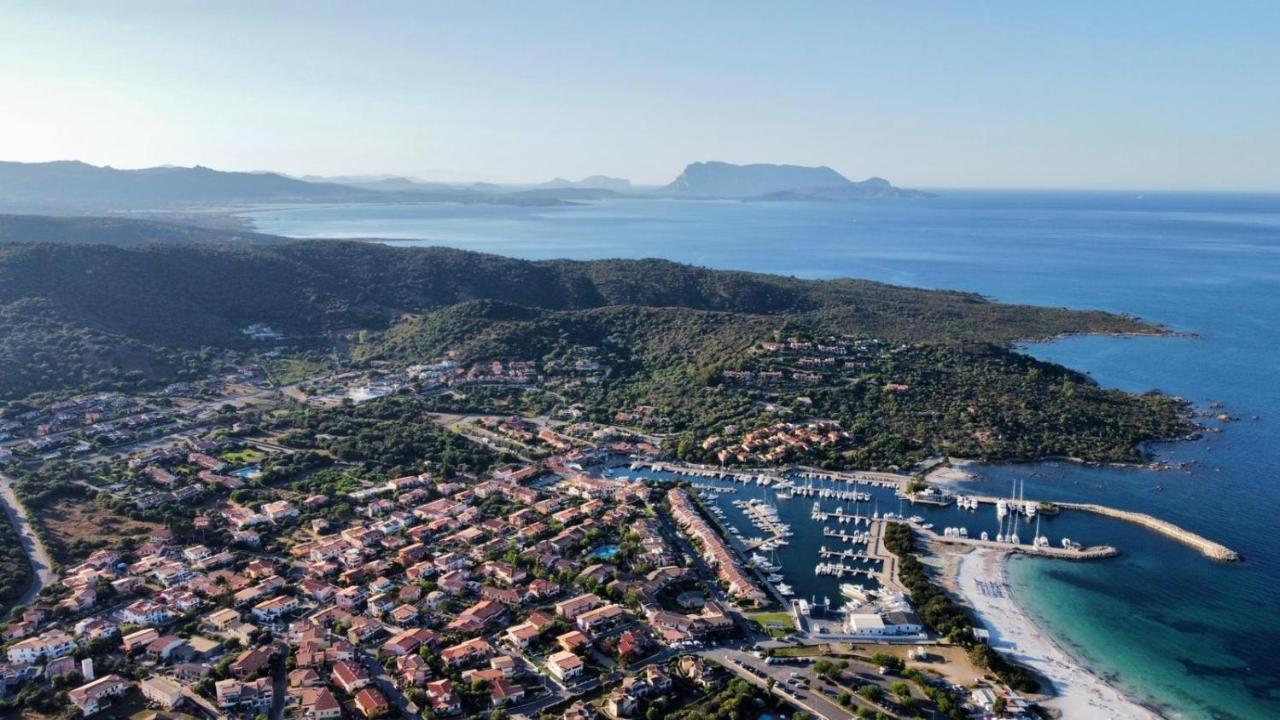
(128, 315)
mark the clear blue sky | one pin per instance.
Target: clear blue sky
(1143, 95)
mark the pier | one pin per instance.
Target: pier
(841, 570)
(840, 517)
(1096, 552)
(844, 537)
(846, 555)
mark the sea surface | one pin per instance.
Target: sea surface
(1197, 638)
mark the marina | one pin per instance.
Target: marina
(806, 550)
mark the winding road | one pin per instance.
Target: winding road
(37, 555)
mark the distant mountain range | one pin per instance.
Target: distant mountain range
(73, 187)
(73, 184)
(64, 187)
(777, 183)
(594, 182)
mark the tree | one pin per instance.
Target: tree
(1000, 705)
(871, 692)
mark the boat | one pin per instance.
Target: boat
(853, 593)
(784, 589)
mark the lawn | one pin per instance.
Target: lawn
(243, 456)
(777, 624)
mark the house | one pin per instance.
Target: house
(599, 618)
(564, 665)
(162, 691)
(658, 679)
(372, 703)
(49, 645)
(572, 640)
(444, 700)
(304, 677)
(146, 612)
(519, 636)
(505, 664)
(317, 703)
(349, 675)
(169, 647)
(504, 691)
(134, 640)
(694, 669)
(221, 620)
(408, 641)
(250, 662)
(271, 609)
(280, 511)
(467, 653)
(236, 695)
(573, 607)
(620, 703)
(412, 670)
(94, 695)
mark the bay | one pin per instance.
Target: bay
(1189, 635)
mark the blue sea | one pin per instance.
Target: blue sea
(1196, 638)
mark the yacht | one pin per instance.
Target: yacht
(784, 589)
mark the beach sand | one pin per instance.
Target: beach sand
(957, 472)
(1079, 692)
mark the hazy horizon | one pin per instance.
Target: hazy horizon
(1143, 97)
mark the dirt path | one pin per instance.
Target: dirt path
(37, 555)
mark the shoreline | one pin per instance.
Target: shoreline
(1078, 691)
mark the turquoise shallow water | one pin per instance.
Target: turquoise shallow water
(1196, 637)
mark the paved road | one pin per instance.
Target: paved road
(37, 554)
(809, 699)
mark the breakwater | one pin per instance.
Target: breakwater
(1209, 548)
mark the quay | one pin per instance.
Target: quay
(770, 475)
(1097, 552)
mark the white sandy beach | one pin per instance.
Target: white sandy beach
(1080, 693)
(955, 472)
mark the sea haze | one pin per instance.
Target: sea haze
(1195, 637)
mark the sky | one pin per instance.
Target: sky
(1091, 94)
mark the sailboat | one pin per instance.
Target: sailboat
(1040, 540)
